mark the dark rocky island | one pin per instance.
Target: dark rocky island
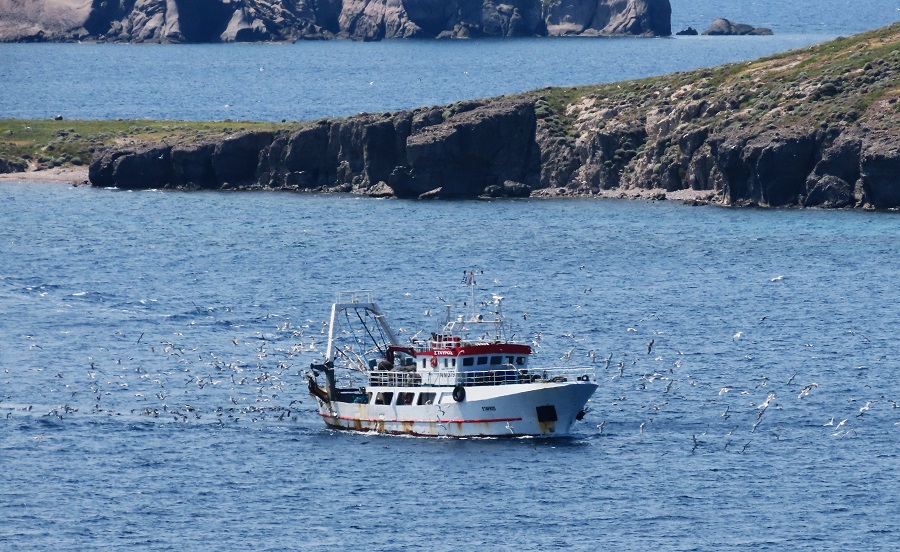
(812, 127)
(290, 20)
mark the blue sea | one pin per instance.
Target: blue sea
(153, 347)
(153, 344)
(310, 80)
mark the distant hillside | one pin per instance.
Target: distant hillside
(812, 127)
(289, 20)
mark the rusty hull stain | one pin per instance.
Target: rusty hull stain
(547, 427)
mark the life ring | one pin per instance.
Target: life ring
(459, 393)
(434, 362)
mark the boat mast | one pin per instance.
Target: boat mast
(357, 299)
(473, 316)
(344, 302)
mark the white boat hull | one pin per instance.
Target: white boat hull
(527, 409)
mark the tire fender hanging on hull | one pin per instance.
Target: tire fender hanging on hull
(459, 393)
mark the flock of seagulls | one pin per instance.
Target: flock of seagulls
(655, 386)
(252, 378)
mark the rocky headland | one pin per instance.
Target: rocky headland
(811, 127)
(289, 20)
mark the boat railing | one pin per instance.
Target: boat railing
(500, 376)
(458, 343)
(354, 296)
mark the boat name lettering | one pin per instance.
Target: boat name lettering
(443, 353)
(488, 408)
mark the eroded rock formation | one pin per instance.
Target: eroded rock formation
(722, 26)
(288, 20)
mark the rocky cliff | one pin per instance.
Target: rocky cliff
(814, 127)
(289, 20)
(456, 151)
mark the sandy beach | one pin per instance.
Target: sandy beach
(70, 175)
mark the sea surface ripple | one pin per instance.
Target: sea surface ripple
(153, 345)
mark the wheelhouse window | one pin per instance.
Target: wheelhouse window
(520, 361)
(496, 360)
(405, 398)
(468, 361)
(482, 361)
(426, 398)
(384, 398)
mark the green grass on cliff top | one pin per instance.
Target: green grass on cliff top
(45, 143)
(840, 54)
(50, 143)
(752, 82)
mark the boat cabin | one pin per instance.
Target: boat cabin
(449, 361)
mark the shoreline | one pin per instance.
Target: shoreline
(688, 196)
(77, 176)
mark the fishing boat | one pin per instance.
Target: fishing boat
(467, 379)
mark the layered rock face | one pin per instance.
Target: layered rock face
(816, 127)
(459, 151)
(288, 20)
(613, 17)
